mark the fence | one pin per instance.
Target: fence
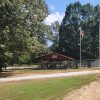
(60, 64)
(76, 63)
(91, 63)
(70, 64)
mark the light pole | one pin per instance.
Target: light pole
(80, 46)
(99, 42)
(98, 19)
(80, 38)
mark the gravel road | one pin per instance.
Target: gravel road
(31, 77)
(88, 92)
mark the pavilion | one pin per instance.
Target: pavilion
(53, 60)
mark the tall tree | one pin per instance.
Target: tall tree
(55, 35)
(21, 30)
(76, 16)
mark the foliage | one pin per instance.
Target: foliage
(52, 36)
(21, 29)
(85, 16)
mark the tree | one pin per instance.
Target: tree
(21, 30)
(53, 35)
(76, 16)
(68, 33)
(55, 32)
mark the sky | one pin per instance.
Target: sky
(57, 8)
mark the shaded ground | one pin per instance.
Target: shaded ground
(88, 92)
(49, 71)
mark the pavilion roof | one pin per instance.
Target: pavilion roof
(55, 57)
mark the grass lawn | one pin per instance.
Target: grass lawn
(48, 89)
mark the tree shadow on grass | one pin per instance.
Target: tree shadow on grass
(5, 74)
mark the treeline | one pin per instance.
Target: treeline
(23, 35)
(87, 17)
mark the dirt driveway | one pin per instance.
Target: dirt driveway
(56, 75)
(88, 92)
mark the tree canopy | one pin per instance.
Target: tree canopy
(22, 30)
(85, 16)
(23, 34)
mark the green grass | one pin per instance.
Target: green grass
(49, 89)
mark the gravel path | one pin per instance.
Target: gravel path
(88, 92)
(31, 77)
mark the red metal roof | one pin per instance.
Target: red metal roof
(55, 57)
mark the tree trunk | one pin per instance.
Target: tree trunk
(0, 69)
(76, 65)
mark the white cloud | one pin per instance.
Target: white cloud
(56, 16)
